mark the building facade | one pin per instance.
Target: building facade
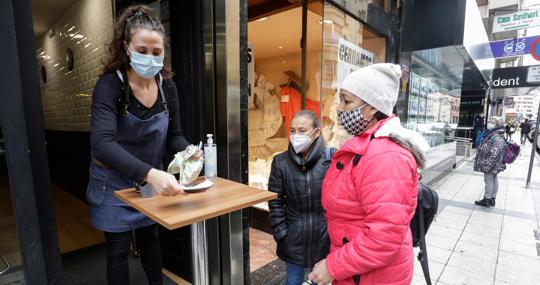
(243, 68)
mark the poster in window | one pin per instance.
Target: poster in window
(350, 58)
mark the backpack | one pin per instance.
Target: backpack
(426, 208)
(511, 152)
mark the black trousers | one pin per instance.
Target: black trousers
(118, 245)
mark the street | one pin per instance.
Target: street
(469, 244)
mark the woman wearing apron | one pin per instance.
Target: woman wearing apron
(135, 118)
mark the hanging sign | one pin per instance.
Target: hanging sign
(350, 58)
(504, 48)
(533, 75)
(516, 21)
(515, 77)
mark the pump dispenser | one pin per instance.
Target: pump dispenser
(210, 157)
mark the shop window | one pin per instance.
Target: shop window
(360, 7)
(347, 46)
(434, 95)
(275, 80)
(336, 45)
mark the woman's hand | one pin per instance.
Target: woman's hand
(320, 273)
(164, 183)
(197, 155)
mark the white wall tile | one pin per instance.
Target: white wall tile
(63, 107)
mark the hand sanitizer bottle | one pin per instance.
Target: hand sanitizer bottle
(210, 157)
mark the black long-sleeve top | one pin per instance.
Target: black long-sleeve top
(107, 106)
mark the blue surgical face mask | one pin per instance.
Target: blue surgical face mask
(146, 65)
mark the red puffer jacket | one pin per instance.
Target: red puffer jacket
(368, 209)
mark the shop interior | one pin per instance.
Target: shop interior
(336, 45)
(275, 75)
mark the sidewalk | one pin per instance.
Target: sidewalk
(469, 244)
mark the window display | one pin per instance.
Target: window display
(337, 44)
(276, 84)
(347, 46)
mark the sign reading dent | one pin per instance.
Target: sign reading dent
(515, 77)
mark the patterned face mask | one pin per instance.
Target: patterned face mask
(353, 121)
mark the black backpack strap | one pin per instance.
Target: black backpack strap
(422, 255)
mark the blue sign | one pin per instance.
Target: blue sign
(503, 48)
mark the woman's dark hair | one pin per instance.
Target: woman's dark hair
(380, 116)
(310, 115)
(133, 18)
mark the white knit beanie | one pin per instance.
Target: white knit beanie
(377, 85)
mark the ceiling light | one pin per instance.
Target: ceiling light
(280, 47)
(78, 36)
(325, 22)
(261, 19)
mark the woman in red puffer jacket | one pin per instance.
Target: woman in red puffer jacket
(370, 190)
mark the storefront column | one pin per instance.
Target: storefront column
(21, 119)
(226, 92)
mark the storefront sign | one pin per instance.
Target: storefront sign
(533, 75)
(504, 48)
(350, 58)
(515, 77)
(515, 21)
(508, 101)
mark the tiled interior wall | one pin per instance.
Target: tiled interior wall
(86, 28)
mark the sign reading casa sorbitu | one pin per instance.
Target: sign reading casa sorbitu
(515, 77)
(516, 21)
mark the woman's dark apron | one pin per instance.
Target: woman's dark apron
(144, 139)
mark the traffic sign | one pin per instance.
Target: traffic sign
(535, 49)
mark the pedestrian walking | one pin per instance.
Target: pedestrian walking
(478, 126)
(371, 188)
(296, 216)
(525, 130)
(490, 160)
(509, 129)
(135, 118)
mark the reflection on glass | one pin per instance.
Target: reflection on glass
(360, 7)
(275, 82)
(347, 46)
(433, 98)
